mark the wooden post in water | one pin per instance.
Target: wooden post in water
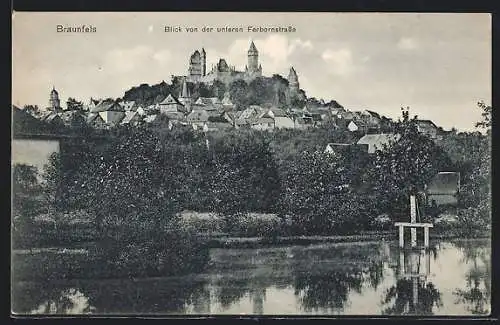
(413, 219)
(426, 237)
(401, 237)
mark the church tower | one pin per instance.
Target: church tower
(184, 97)
(54, 102)
(253, 68)
(293, 81)
(203, 62)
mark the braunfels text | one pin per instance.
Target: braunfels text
(76, 29)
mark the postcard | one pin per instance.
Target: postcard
(243, 163)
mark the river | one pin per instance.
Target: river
(365, 278)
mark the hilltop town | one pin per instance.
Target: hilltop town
(217, 99)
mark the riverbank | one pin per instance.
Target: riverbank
(256, 242)
(224, 241)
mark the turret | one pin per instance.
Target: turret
(203, 62)
(54, 102)
(253, 59)
(293, 80)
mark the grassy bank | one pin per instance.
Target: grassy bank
(259, 242)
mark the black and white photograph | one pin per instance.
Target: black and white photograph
(251, 163)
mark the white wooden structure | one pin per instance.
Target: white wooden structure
(413, 225)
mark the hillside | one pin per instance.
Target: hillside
(260, 91)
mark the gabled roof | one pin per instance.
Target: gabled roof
(278, 112)
(127, 105)
(150, 118)
(444, 183)
(106, 106)
(94, 118)
(217, 118)
(170, 100)
(198, 115)
(359, 123)
(218, 125)
(129, 116)
(371, 113)
(379, 140)
(426, 123)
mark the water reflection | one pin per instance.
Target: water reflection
(477, 293)
(369, 278)
(412, 294)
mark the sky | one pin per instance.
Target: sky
(439, 65)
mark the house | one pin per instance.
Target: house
(262, 123)
(372, 119)
(357, 125)
(110, 111)
(128, 105)
(428, 128)
(216, 126)
(303, 122)
(346, 115)
(141, 111)
(337, 147)
(343, 148)
(280, 117)
(443, 189)
(253, 111)
(208, 103)
(198, 115)
(95, 120)
(131, 118)
(52, 118)
(170, 104)
(229, 117)
(376, 142)
(227, 104)
(91, 104)
(73, 118)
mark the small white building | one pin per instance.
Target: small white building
(378, 141)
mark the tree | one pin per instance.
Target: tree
(475, 196)
(404, 167)
(238, 92)
(486, 114)
(25, 191)
(313, 192)
(31, 109)
(74, 105)
(26, 203)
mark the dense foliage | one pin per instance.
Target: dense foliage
(259, 91)
(143, 177)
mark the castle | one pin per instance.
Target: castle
(222, 71)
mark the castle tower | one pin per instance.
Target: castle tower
(203, 62)
(195, 66)
(253, 68)
(293, 81)
(54, 102)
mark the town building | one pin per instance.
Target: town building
(443, 189)
(428, 128)
(54, 101)
(110, 111)
(378, 141)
